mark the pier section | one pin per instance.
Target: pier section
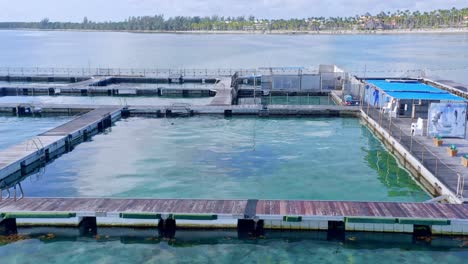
(248, 216)
(22, 159)
(401, 119)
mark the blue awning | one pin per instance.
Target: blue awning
(416, 91)
(425, 96)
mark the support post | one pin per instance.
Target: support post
(336, 230)
(167, 227)
(23, 168)
(421, 231)
(125, 113)
(68, 144)
(247, 228)
(227, 113)
(85, 135)
(8, 227)
(88, 226)
(47, 155)
(100, 126)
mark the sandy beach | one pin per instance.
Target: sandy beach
(278, 32)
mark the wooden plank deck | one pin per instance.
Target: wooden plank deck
(28, 152)
(435, 159)
(83, 121)
(222, 97)
(453, 164)
(223, 92)
(366, 209)
(453, 87)
(203, 109)
(24, 149)
(106, 205)
(238, 208)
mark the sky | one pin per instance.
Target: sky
(116, 10)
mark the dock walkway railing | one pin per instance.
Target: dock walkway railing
(151, 72)
(452, 178)
(142, 72)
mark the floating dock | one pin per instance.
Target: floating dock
(441, 175)
(450, 86)
(438, 174)
(249, 216)
(203, 86)
(183, 109)
(24, 158)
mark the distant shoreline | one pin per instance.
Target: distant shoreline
(275, 32)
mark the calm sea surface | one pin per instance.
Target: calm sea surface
(389, 53)
(224, 247)
(216, 157)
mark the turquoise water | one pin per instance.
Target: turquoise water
(444, 56)
(14, 130)
(105, 100)
(215, 157)
(228, 158)
(224, 247)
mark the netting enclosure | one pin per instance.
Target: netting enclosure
(327, 78)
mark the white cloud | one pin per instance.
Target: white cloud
(100, 10)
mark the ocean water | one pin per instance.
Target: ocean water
(217, 157)
(306, 158)
(443, 56)
(225, 247)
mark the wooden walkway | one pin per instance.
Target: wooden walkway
(237, 209)
(28, 149)
(224, 93)
(367, 209)
(294, 110)
(83, 121)
(45, 145)
(435, 159)
(451, 86)
(92, 206)
(447, 166)
(117, 85)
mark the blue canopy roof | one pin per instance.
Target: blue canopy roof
(425, 96)
(413, 90)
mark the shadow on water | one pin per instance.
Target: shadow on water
(34, 171)
(390, 172)
(191, 238)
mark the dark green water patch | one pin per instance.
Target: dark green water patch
(144, 246)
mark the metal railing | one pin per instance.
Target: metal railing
(446, 174)
(287, 70)
(147, 72)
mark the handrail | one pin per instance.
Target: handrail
(87, 71)
(371, 111)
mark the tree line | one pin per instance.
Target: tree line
(442, 18)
